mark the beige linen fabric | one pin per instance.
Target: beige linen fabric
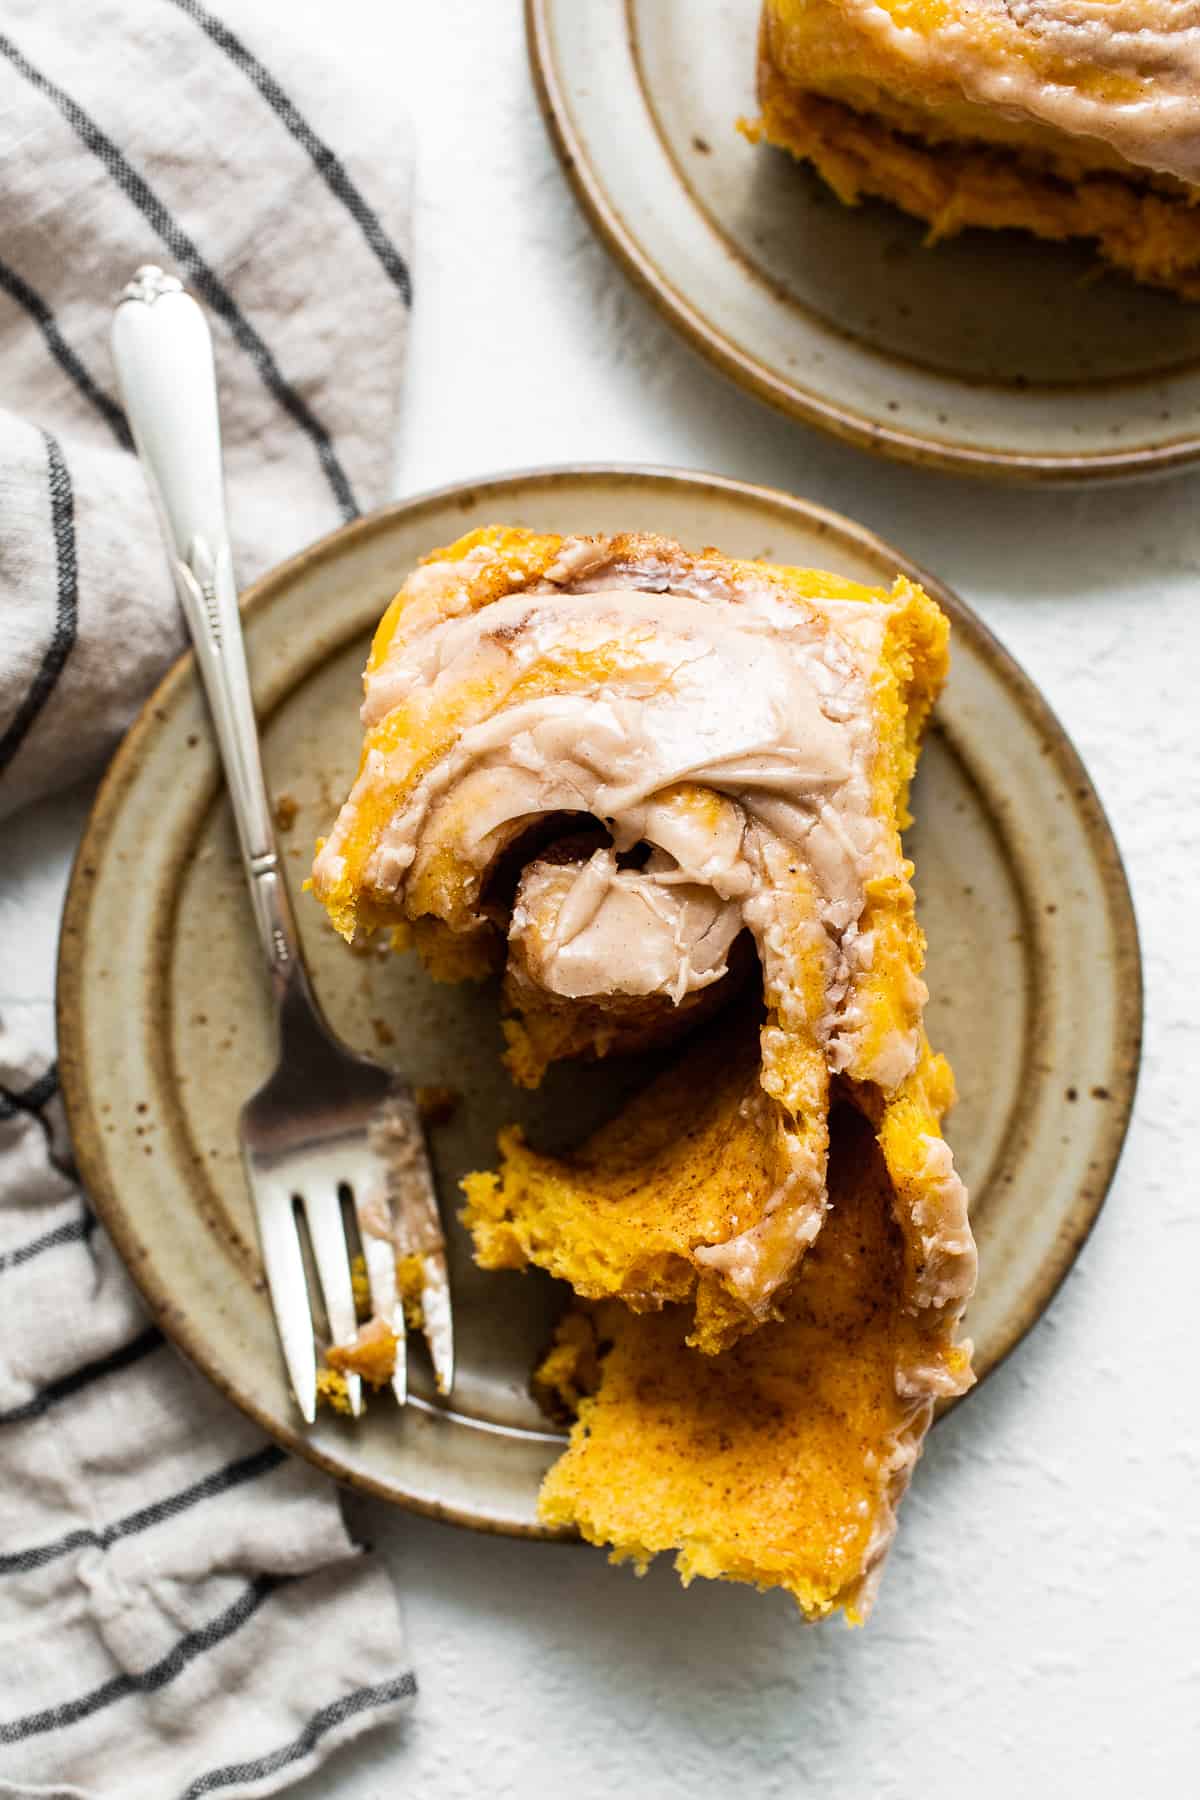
(181, 1610)
(275, 183)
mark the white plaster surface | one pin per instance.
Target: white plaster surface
(1036, 1631)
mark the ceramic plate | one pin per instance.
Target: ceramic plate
(993, 354)
(165, 1026)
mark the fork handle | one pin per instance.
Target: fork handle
(163, 352)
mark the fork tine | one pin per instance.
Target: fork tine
(379, 1254)
(327, 1235)
(288, 1287)
(400, 1371)
(439, 1328)
(418, 1228)
(409, 1198)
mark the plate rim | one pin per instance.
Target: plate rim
(739, 364)
(84, 1123)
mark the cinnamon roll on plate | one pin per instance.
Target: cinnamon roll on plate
(1065, 118)
(661, 792)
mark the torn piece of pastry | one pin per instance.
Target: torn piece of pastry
(1065, 118)
(782, 1462)
(622, 769)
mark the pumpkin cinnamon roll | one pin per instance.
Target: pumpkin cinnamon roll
(1066, 118)
(662, 792)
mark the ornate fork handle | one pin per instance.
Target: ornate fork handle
(164, 357)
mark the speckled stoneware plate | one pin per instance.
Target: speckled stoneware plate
(165, 1027)
(991, 355)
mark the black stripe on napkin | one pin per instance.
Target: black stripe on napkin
(204, 278)
(234, 1474)
(72, 1232)
(327, 164)
(157, 1676)
(327, 1719)
(18, 289)
(66, 1385)
(32, 1098)
(66, 609)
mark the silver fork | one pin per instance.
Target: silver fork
(330, 1128)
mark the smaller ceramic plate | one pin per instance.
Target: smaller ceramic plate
(993, 354)
(165, 1023)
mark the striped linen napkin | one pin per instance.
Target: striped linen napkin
(182, 1612)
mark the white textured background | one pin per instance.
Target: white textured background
(1036, 1631)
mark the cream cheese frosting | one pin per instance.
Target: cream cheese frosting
(1126, 72)
(590, 928)
(764, 709)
